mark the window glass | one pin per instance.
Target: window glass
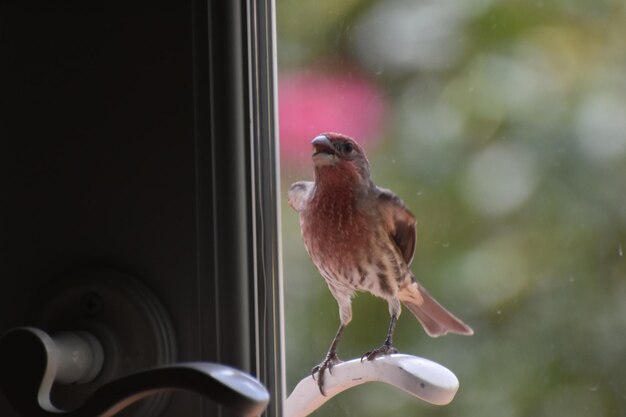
(502, 125)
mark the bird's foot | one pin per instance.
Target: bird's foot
(328, 363)
(386, 349)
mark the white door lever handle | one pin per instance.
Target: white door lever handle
(419, 377)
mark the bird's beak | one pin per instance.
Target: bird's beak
(321, 144)
(323, 152)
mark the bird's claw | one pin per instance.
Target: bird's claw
(327, 364)
(386, 349)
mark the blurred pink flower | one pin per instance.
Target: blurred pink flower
(312, 102)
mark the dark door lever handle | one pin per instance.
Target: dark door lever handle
(27, 373)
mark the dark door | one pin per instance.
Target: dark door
(124, 149)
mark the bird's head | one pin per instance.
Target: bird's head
(335, 155)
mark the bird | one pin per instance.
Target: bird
(361, 238)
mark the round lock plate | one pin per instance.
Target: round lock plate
(129, 321)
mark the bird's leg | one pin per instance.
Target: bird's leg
(331, 360)
(387, 347)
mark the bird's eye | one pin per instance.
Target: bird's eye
(347, 147)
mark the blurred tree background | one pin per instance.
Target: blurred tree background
(502, 124)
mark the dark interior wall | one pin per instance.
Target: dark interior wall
(98, 154)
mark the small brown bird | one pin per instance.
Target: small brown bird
(362, 238)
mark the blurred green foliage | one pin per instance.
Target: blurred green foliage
(506, 136)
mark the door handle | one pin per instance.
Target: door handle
(101, 341)
(416, 376)
(31, 361)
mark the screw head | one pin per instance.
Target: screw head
(91, 304)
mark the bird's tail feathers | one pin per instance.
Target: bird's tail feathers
(436, 320)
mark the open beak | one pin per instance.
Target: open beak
(321, 144)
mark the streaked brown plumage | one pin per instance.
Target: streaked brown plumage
(362, 238)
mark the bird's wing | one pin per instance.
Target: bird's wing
(298, 194)
(400, 222)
